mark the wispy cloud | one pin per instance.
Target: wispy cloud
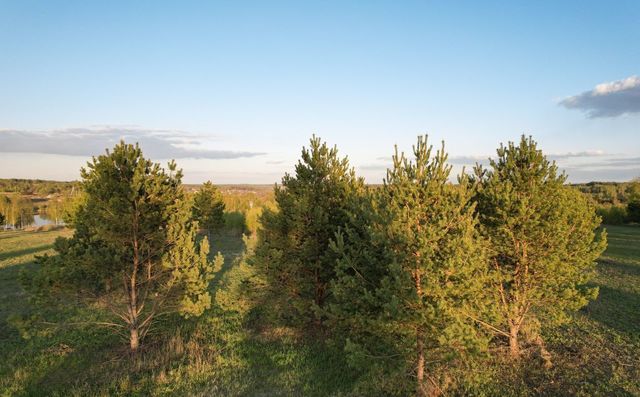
(608, 99)
(571, 155)
(615, 163)
(582, 166)
(160, 144)
(468, 160)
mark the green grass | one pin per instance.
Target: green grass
(224, 353)
(597, 353)
(17, 252)
(217, 354)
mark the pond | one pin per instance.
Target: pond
(42, 221)
(38, 221)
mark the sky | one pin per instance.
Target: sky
(233, 90)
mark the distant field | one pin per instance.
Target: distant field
(597, 354)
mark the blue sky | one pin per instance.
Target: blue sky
(235, 89)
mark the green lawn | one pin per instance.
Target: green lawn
(43, 352)
(17, 251)
(598, 353)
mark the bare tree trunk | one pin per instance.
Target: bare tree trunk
(134, 339)
(514, 345)
(420, 386)
(420, 390)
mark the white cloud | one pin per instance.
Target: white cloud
(617, 86)
(156, 144)
(568, 155)
(609, 99)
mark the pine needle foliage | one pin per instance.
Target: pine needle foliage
(544, 241)
(411, 273)
(208, 207)
(293, 242)
(134, 248)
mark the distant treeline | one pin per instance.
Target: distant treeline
(616, 202)
(36, 186)
(609, 193)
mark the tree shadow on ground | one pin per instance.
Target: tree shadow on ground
(286, 365)
(289, 360)
(231, 246)
(617, 309)
(25, 251)
(617, 266)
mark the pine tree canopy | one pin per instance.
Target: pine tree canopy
(293, 243)
(543, 240)
(411, 272)
(134, 248)
(208, 207)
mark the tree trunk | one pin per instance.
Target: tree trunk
(134, 340)
(514, 346)
(318, 299)
(420, 390)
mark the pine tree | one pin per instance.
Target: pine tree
(411, 272)
(208, 207)
(293, 243)
(543, 240)
(633, 205)
(133, 248)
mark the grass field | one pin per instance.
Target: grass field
(44, 352)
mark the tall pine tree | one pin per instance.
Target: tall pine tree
(293, 243)
(411, 273)
(543, 240)
(134, 247)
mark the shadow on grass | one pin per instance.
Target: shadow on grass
(231, 246)
(69, 360)
(13, 301)
(290, 366)
(616, 309)
(289, 360)
(26, 251)
(626, 268)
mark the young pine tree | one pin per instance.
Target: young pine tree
(633, 205)
(134, 248)
(543, 240)
(411, 277)
(293, 242)
(208, 207)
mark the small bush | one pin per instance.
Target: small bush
(612, 214)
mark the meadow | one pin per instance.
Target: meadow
(233, 350)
